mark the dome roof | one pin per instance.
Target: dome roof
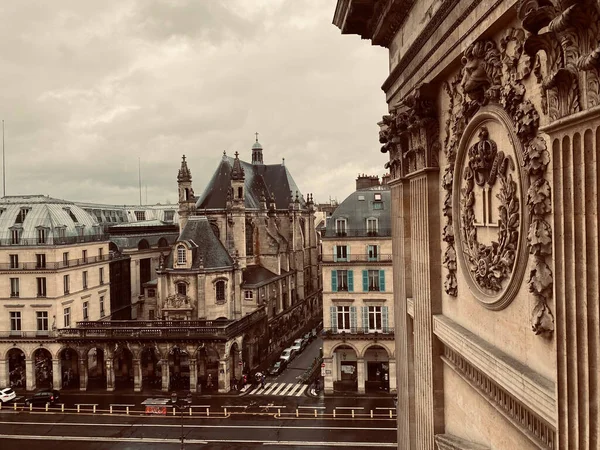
(256, 146)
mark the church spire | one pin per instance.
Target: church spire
(184, 173)
(237, 172)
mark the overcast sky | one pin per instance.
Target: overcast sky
(90, 86)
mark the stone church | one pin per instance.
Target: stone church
(493, 136)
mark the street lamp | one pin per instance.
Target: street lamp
(181, 405)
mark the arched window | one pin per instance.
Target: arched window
(220, 291)
(181, 254)
(162, 243)
(249, 239)
(182, 288)
(143, 245)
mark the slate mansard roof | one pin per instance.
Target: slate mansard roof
(268, 179)
(205, 245)
(358, 207)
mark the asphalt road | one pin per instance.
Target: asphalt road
(300, 363)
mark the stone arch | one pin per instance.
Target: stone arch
(123, 367)
(96, 366)
(235, 358)
(112, 247)
(150, 367)
(143, 245)
(341, 345)
(42, 366)
(208, 367)
(15, 359)
(179, 367)
(376, 357)
(377, 344)
(69, 367)
(163, 243)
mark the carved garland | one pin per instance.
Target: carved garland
(492, 76)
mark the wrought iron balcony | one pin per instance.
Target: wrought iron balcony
(356, 257)
(53, 240)
(34, 265)
(28, 334)
(357, 232)
(358, 333)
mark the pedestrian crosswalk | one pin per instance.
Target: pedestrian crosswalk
(281, 389)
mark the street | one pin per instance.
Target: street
(280, 416)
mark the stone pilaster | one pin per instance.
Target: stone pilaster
(164, 371)
(193, 375)
(426, 275)
(110, 375)
(224, 375)
(137, 375)
(328, 378)
(575, 144)
(83, 374)
(360, 375)
(56, 374)
(29, 374)
(392, 375)
(4, 375)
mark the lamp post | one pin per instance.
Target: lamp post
(181, 404)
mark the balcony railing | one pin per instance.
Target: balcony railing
(358, 232)
(28, 334)
(56, 265)
(356, 257)
(357, 331)
(153, 329)
(53, 240)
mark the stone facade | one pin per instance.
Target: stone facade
(493, 137)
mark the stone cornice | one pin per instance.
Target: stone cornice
(527, 386)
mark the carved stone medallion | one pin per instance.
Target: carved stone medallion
(488, 208)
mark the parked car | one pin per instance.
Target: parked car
(7, 394)
(278, 367)
(308, 337)
(299, 345)
(43, 397)
(288, 354)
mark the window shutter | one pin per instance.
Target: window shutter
(334, 281)
(347, 253)
(365, 319)
(333, 313)
(384, 318)
(365, 280)
(353, 318)
(382, 280)
(335, 253)
(350, 281)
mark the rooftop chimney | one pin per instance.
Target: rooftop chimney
(366, 181)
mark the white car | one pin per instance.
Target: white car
(287, 355)
(298, 345)
(7, 394)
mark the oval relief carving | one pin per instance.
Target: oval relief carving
(488, 204)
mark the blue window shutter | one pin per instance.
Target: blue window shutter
(335, 253)
(382, 280)
(384, 318)
(365, 280)
(333, 312)
(347, 253)
(353, 318)
(350, 281)
(334, 281)
(365, 318)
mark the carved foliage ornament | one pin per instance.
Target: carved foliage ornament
(568, 33)
(492, 76)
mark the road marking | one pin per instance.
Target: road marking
(302, 389)
(332, 444)
(311, 407)
(291, 391)
(286, 389)
(32, 437)
(167, 425)
(282, 385)
(349, 407)
(386, 408)
(268, 391)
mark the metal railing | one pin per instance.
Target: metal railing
(358, 232)
(161, 328)
(53, 240)
(55, 265)
(356, 257)
(28, 334)
(358, 331)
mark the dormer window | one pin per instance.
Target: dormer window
(22, 214)
(71, 215)
(181, 254)
(377, 197)
(140, 215)
(15, 236)
(169, 216)
(340, 227)
(42, 233)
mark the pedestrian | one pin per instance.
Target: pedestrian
(262, 381)
(209, 382)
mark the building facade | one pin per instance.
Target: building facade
(358, 304)
(493, 137)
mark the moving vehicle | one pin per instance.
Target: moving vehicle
(43, 397)
(277, 368)
(7, 394)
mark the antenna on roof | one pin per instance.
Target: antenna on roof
(146, 186)
(140, 178)
(3, 165)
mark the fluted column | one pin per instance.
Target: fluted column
(193, 375)
(83, 374)
(164, 370)
(137, 375)
(110, 374)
